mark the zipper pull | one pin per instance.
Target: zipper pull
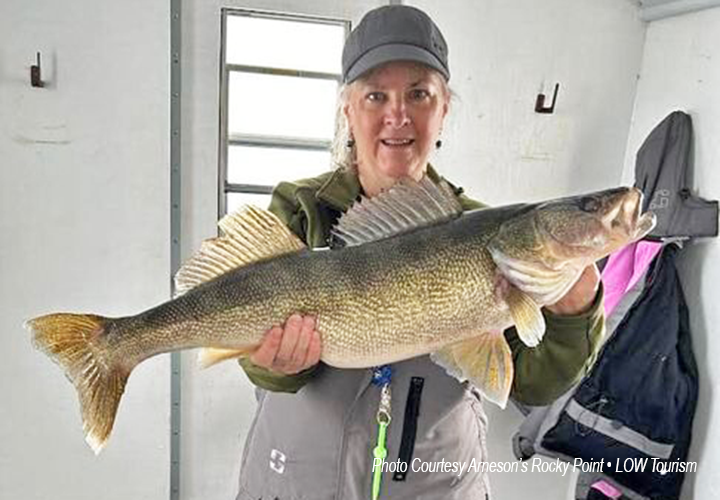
(379, 452)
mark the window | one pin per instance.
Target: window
(280, 76)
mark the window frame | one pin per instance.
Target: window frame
(257, 140)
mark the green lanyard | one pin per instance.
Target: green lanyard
(383, 420)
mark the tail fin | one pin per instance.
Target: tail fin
(485, 360)
(74, 341)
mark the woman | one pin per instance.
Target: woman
(316, 426)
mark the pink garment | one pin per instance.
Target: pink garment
(624, 269)
(607, 489)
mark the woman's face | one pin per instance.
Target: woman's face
(395, 116)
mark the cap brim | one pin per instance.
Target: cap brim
(391, 53)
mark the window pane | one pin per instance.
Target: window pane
(279, 43)
(281, 106)
(238, 200)
(268, 166)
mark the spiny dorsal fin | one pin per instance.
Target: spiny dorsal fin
(249, 235)
(407, 205)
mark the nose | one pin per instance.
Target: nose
(396, 113)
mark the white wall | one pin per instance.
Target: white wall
(501, 55)
(83, 227)
(680, 70)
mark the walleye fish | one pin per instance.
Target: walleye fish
(415, 276)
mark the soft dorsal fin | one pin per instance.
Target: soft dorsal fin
(405, 206)
(248, 235)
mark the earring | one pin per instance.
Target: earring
(350, 143)
(438, 144)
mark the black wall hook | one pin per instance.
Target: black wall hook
(35, 76)
(540, 102)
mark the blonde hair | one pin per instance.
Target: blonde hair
(342, 155)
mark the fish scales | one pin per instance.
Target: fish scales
(432, 282)
(430, 286)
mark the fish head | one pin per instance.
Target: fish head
(591, 226)
(544, 249)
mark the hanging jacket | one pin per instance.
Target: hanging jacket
(639, 400)
(662, 172)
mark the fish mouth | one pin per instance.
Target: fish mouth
(645, 225)
(627, 218)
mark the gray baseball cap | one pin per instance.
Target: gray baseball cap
(394, 33)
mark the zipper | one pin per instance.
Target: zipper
(409, 431)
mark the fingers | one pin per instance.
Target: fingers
(297, 362)
(593, 275)
(265, 355)
(587, 285)
(290, 338)
(581, 296)
(290, 349)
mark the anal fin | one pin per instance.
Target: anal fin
(485, 361)
(210, 356)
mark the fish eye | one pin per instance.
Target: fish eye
(589, 204)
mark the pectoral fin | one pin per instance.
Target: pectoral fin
(526, 314)
(210, 356)
(485, 361)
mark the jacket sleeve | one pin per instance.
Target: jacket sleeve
(285, 205)
(277, 382)
(565, 354)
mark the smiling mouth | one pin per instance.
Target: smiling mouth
(394, 143)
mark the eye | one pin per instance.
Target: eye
(375, 97)
(589, 204)
(419, 94)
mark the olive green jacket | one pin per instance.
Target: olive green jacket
(310, 208)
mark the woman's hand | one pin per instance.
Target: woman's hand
(291, 348)
(581, 296)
